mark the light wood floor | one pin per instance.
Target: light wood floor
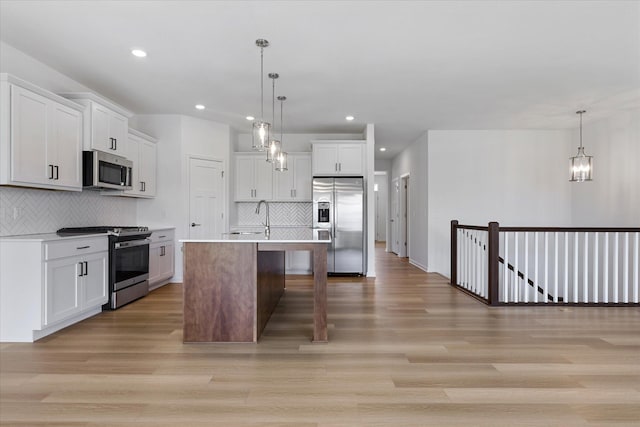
(405, 349)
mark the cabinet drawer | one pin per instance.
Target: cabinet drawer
(162, 236)
(75, 247)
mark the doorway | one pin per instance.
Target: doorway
(394, 220)
(206, 198)
(403, 214)
(381, 205)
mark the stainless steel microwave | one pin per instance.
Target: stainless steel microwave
(104, 170)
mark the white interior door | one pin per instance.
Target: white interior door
(404, 217)
(206, 199)
(381, 207)
(395, 196)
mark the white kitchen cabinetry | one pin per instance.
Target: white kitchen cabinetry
(338, 158)
(142, 152)
(40, 137)
(161, 257)
(106, 124)
(253, 177)
(294, 185)
(48, 283)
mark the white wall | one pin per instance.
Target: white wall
(178, 138)
(612, 199)
(515, 177)
(27, 68)
(413, 161)
(370, 148)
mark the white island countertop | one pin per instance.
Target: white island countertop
(277, 235)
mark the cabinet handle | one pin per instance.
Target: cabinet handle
(50, 171)
(141, 186)
(339, 167)
(162, 250)
(56, 172)
(115, 140)
(81, 269)
(193, 224)
(86, 268)
(144, 186)
(83, 247)
(161, 237)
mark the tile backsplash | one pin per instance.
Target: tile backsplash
(289, 214)
(30, 211)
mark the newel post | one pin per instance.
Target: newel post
(454, 252)
(493, 254)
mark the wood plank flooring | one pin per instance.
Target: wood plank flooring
(404, 349)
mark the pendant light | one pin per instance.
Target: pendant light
(281, 158)
(274, 144)
(261, 129)
(581, 164)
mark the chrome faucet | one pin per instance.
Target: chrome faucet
(267, 224)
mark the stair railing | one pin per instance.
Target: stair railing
(546, 265)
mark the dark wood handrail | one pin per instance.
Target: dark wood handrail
(573, 229)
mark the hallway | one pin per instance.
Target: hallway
(405, 349)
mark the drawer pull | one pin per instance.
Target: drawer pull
(161, 237)
(83, 247)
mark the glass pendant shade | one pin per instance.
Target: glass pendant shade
(273, 151)
(281, 162)
(261, 134)
(581, 167)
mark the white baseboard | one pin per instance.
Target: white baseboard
(420, 266)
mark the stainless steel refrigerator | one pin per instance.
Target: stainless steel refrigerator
(339, 206)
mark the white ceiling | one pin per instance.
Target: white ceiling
(404, 66)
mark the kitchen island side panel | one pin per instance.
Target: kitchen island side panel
(271, 278)
(219, 303)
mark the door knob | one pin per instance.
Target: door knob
(193, 224)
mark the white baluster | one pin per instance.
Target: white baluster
(616, 242)
(595, 267)
(605, 269)
(636, 261)
(575, 266)
(585, 281)
(555, 276)
(516, 278)
(625, 272)
(506, 266)
(536, 266)
(526, 267)
(565, 294)
(458, 257)
(546, 268)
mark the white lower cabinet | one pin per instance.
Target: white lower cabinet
(161, 257)
(48, 283)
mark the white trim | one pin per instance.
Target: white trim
(417, 264)
(100, 100)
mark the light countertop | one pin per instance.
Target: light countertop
(278, 235)
(45, 237)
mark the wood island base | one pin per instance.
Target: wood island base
(232, 288)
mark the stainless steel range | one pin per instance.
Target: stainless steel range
(128, 261)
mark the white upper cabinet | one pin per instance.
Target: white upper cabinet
(253, 177)
(343, 158)
(294, 184)
(40, 137)
(142, 151)
(105, 124)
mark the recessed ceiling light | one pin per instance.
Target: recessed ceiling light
(200, 107)
(250, 118)
(383, 149)
(139, 53)
(350, 118)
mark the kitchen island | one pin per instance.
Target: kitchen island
(233, 284)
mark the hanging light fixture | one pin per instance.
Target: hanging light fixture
(274, 144)
(261, 129)
(581, 164)
(281, 158)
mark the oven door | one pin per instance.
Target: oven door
(131, 263)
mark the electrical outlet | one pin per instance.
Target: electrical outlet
(16, 212)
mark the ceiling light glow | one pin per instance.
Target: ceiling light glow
(383, 149)
(350, 118)
(139, 53)
(200, 107)
(250, 118)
